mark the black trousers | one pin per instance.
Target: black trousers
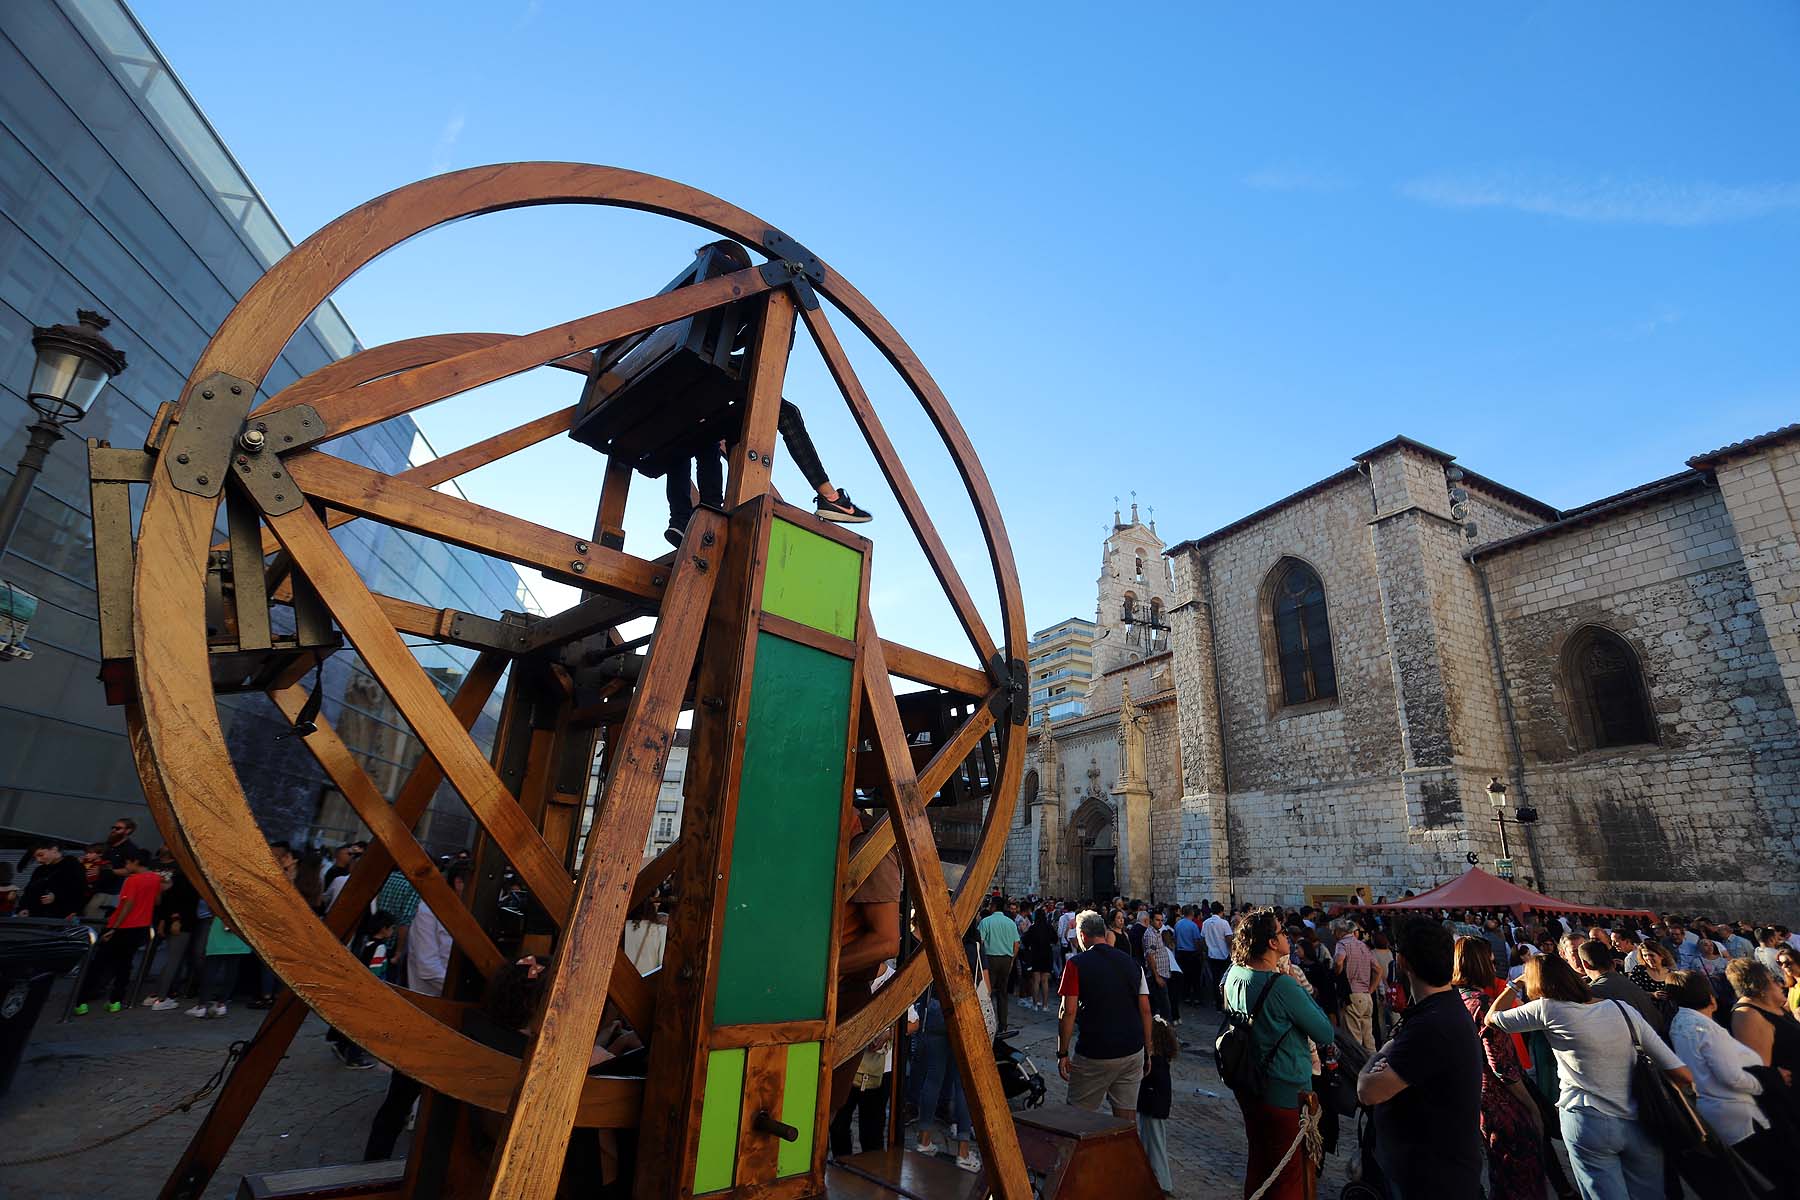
(869, 1111)
(390, 1118)
(709, 468)
(1215, 980)
(111, 964)
(1193, 974)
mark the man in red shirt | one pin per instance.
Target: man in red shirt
(127, 929)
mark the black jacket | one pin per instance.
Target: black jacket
(1157, 1091)
(66, 883)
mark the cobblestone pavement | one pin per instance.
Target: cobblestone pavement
(99, 1073)
(1206, 1134)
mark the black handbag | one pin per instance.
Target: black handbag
(1660, 1109)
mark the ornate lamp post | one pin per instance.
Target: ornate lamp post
(73, 364)
(1525, 816)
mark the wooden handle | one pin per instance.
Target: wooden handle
(764, 1123)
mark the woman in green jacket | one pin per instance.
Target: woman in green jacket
(1287, 1021)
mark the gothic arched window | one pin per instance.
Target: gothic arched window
(1302, 635)
(1611, 705)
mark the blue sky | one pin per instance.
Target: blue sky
(1205, 254)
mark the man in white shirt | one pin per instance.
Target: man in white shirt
(1215, 931)
(429, 947)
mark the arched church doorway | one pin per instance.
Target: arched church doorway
(1094, 850)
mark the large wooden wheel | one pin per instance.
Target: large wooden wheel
(288, 490)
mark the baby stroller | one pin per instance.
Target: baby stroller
(1020, 1079)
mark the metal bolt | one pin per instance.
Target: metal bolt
(752, 456)
(578, 566)
(280, 496)
(181, 458)
(206, 395)
(236, 390)
(243, 460)
(287, 437)
(252, 439)
(707, 538)
(581, 547)
(657, 581)
(201, 480)
(305, 421)
(263, 425)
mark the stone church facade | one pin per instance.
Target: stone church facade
(1101, 808)
(1349, 668)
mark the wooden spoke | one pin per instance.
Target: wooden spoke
(936, 774)
(942, 935)
(369, 403)
(929, 669)
(369, 493)
(315, 554)
(762, 406)
(549, 1087)
(390, 359)
(899, 481)
(395, 835)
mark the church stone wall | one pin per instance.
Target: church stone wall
(1706, 820)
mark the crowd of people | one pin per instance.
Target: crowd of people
(1474, 1041)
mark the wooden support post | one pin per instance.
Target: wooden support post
(678, 1051)
(527, 1165)
(609, 521)
(943, 938)
(762, 407)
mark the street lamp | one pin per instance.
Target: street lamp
(1497, 793)
(73, 364)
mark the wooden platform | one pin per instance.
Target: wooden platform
(366, 1181)
(896, 1174)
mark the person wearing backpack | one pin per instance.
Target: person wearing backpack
(1263, 1053)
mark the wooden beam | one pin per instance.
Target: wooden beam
(838, 363)
(460, 462)
(395, 835)
(762, 406)
(378, 400)
(609, 518)
(527, 1164)
(315, 554)
(942, 936)
(391, 358)
(921, 667)
(563, 556)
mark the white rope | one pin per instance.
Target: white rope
(1307, 1133)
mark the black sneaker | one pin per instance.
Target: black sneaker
(673, 535)
(842, 510)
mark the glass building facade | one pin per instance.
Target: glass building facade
(117, 195)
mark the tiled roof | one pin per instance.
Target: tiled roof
(1713, 457)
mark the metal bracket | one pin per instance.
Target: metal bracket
(256, 456)
(792, 265)
(1014, 682)
(511, 633)
(199, 446)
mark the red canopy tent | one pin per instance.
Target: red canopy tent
(1475, 888)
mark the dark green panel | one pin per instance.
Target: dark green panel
(783, 888)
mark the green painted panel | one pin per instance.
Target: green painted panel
(783, 887)
(799, 1105)
(813, 580)
(715, 1165)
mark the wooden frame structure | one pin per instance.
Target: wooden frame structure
(184, 618)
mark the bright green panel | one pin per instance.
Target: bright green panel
(799, 1105)
(783, 888)
(716, 1164)
(813, 580)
